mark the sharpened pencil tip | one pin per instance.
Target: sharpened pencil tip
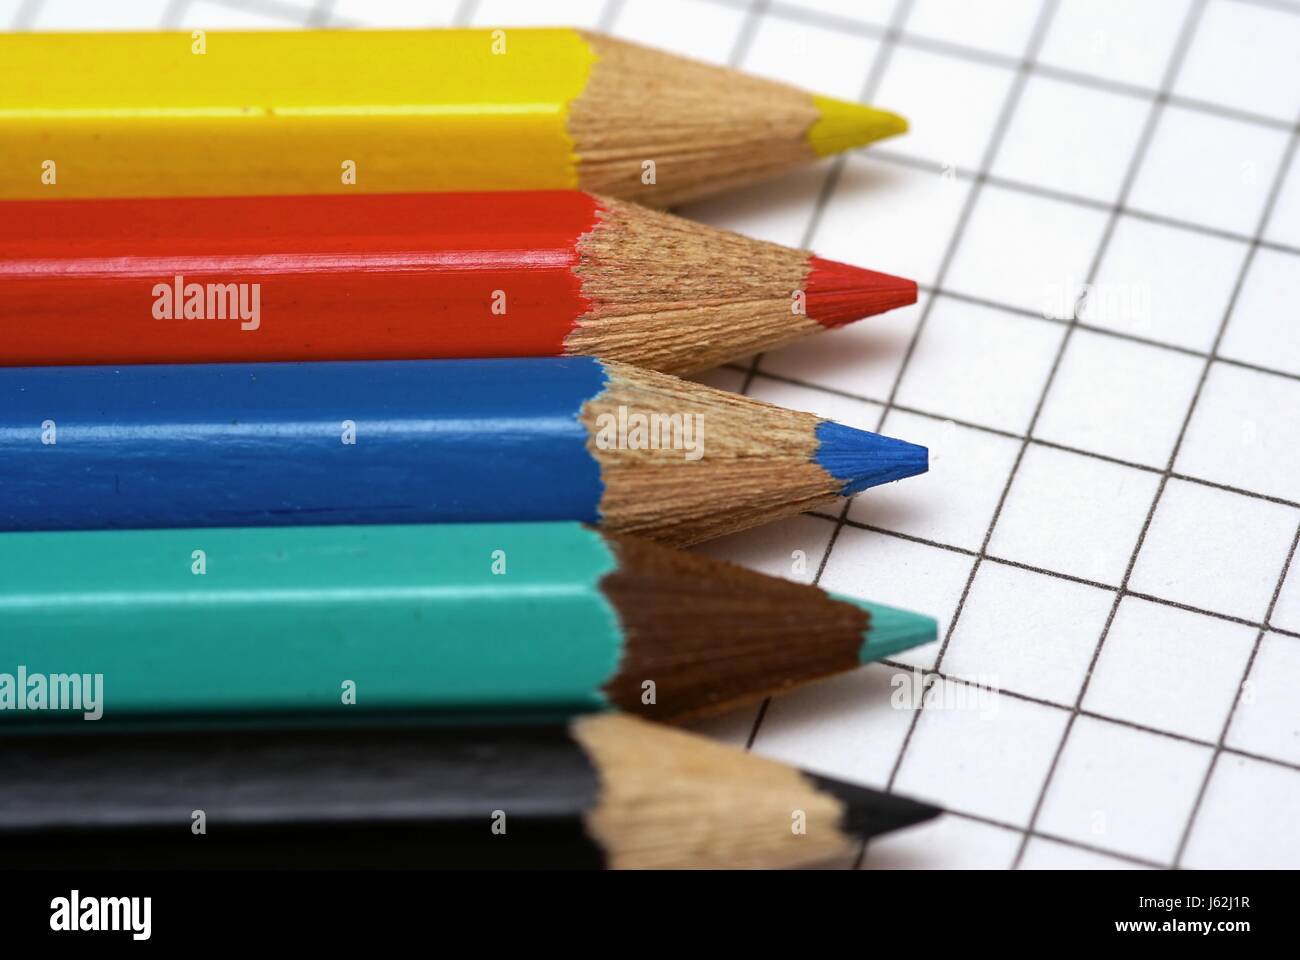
(891, 630)
(839, 293)
(859, 459)
(868, 812)
(843, 125)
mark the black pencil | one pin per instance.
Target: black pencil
(599, 791)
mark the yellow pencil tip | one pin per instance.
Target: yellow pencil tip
(844, 125)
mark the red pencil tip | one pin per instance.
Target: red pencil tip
(838, 293)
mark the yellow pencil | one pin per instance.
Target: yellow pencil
(158, 114)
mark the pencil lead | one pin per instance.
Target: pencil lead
(843, 125)
(860, 459)
(868, 812)
(839, 293)
(891, 630)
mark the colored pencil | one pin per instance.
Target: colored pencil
(603, 790)
(180, 114)
(412, 276)
(342, 620)
(416, 441)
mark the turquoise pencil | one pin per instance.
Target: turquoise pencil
(341, 621)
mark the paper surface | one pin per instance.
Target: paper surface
(1101, 202)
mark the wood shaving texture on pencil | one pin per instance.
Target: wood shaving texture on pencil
(643, 105)
(757, 465)
(672, 800)
(676, 296)
(709, 633)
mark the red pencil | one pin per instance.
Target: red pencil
(371, 277)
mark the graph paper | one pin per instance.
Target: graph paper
(1100, 200)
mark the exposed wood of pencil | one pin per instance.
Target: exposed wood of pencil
(642, 104)
(710, 634)
(671, 799)
(758, 463)
(633, 794)
(672, 295)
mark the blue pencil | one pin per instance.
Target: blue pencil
(416, 442)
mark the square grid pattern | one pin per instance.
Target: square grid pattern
(1101, 203)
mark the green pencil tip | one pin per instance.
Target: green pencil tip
(891, 630)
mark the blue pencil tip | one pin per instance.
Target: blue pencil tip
(860, 459)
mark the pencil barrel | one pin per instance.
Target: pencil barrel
(224, 279)
(512, 796)
(169, 114)
(296, 444)
(333, 622)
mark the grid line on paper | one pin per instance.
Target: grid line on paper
(1187, 31)
(745, 36)
(26, 14)
(788, 11)
(1128, 724)
(1220, 746)
(1066, 841)
(1058, 575)
(174, 13)
(464, 12)
(1131, 172)
(1286, 6)
(1056, 838)
(1052, 444)
(609, 14)
(986, 162)
(928, 672)
(1276, 187)
(320, 13)
(1114, 211)
(273, 8)
(1137, 549)
(1274, 193)
(1000, 127)
(1030, 315)
(885, 155)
